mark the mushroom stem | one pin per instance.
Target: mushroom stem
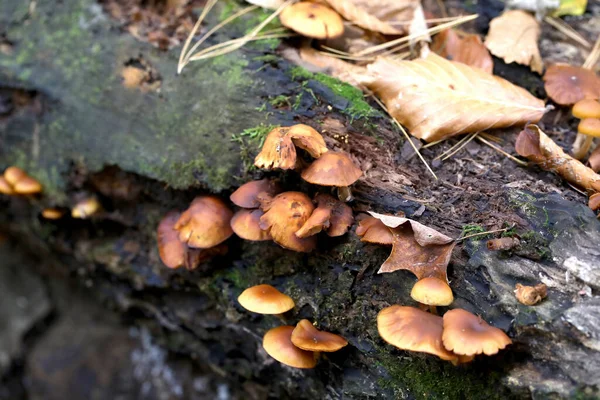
(433, 310)
(582, 145)
(345, 194)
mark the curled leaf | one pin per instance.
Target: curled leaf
(535, 145)
(468, 49)
(436, 98)
(513, 36)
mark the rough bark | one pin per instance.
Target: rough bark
(68, 121)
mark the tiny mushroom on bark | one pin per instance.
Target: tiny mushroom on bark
(307, 337)
(530, 295)
(279, 149)
(205, 224)
(313, 20)
(333, 169)
(171, 250)
(331, 215)
(432, 291)
(372, 230)
(5, 187)
(587, 130)
(52, 213)
(284, 216)
(265, 299)
(250, 194)
(16, 181)
(277, 342)
(86, 208)
(246, 224)
(469, 335)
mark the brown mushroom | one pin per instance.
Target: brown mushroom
(467, 334)
(586, 108)
(372, 230)
(333, 169)
(246, 224)
(279, 149)
(409, 328)
(307, 337)
(249, 194)
(171, 250)
(277, 342)
(566, 84)
(284, 216)
(52, 213)
(5, 187)
(312, 20)
(587, 130)
(432, 291)
(20, 182)
(86, 208)
(331, 215)
(530, 295)
(265, 299)
(206, 223)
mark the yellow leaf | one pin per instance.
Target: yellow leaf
(513, 36)
(436, 98)
(570, 7)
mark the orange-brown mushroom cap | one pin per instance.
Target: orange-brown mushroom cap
(171, 250)
(307, 337)
(589, 126)
(5, 187)
(279, 149)
(277, 342)
(432, 291)
(248, 195)
(20, 182)
(246, 224)
(86, 208)
(308, 139)
(284, 216)
(372, 230)
(312, 20)
(409, 328)
(206, 223)
(586, 108)
(52, 213)
(318, 220)
(567, 84)
(331, 215)
(265, 299)
(14, 175)
(468, 334)
(332, 169)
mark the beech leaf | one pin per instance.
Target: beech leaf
(513, 36)
(462, 47)
(377, 16)
(436, 98)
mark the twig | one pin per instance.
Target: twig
(498, 149)
(484, 233)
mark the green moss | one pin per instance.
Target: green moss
(280, 101)
(471, 229)
(298, 72)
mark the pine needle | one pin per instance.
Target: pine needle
(184, 50)
(491, 138)
(566, 30)
(499, 150)
(457, 147)
(592, 59)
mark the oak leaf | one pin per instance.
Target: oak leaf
(463, 47)
(436, 98)
(513, 36)
(390, 17)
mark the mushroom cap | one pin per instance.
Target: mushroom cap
(247, 195)
(318, 220)
(332, 169)
(14, 175)
(432, 291)
(170, 249)
(589, 126)
(307, 337)
(594, 201)
(284, 216)
(52, 213)
(246, 224)
(341, 218)
(312, 20)
(265, 299)
(5, 187)
(86, 208)
(277, 342)
(206, 223)
(372, 230)
(279, 149)
(409, 328)
(307, 138)
(468, 334)
(586, 108)
(566, 84)
(27, 185)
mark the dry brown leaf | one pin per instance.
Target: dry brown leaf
(535, 145)
(340, 69)
(513, 36)
(390, 17)
(462, 47)
(436, 98)
(417, 248)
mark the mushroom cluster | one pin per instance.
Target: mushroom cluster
(298, 346)
(15, 181)
(186, 239)
(457, 337)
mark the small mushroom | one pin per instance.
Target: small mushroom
(587, 130)
(409, 328)
(594, 201)
(505, 243)
(277, 342)
(586, 108)
(284, 216)
(249, 195)
(433, 292)
(246, 224)
(5, 187)
(469, 335)
(171, 250)
(279, 149)
(86, 208)
(307, 337)
(372, 230)
(20, 182)
(567, 84)
(331, 215)
(312, 20)
(206, 223)
(530, 295)
(52, 213)
(333, 169)
(265, 299)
